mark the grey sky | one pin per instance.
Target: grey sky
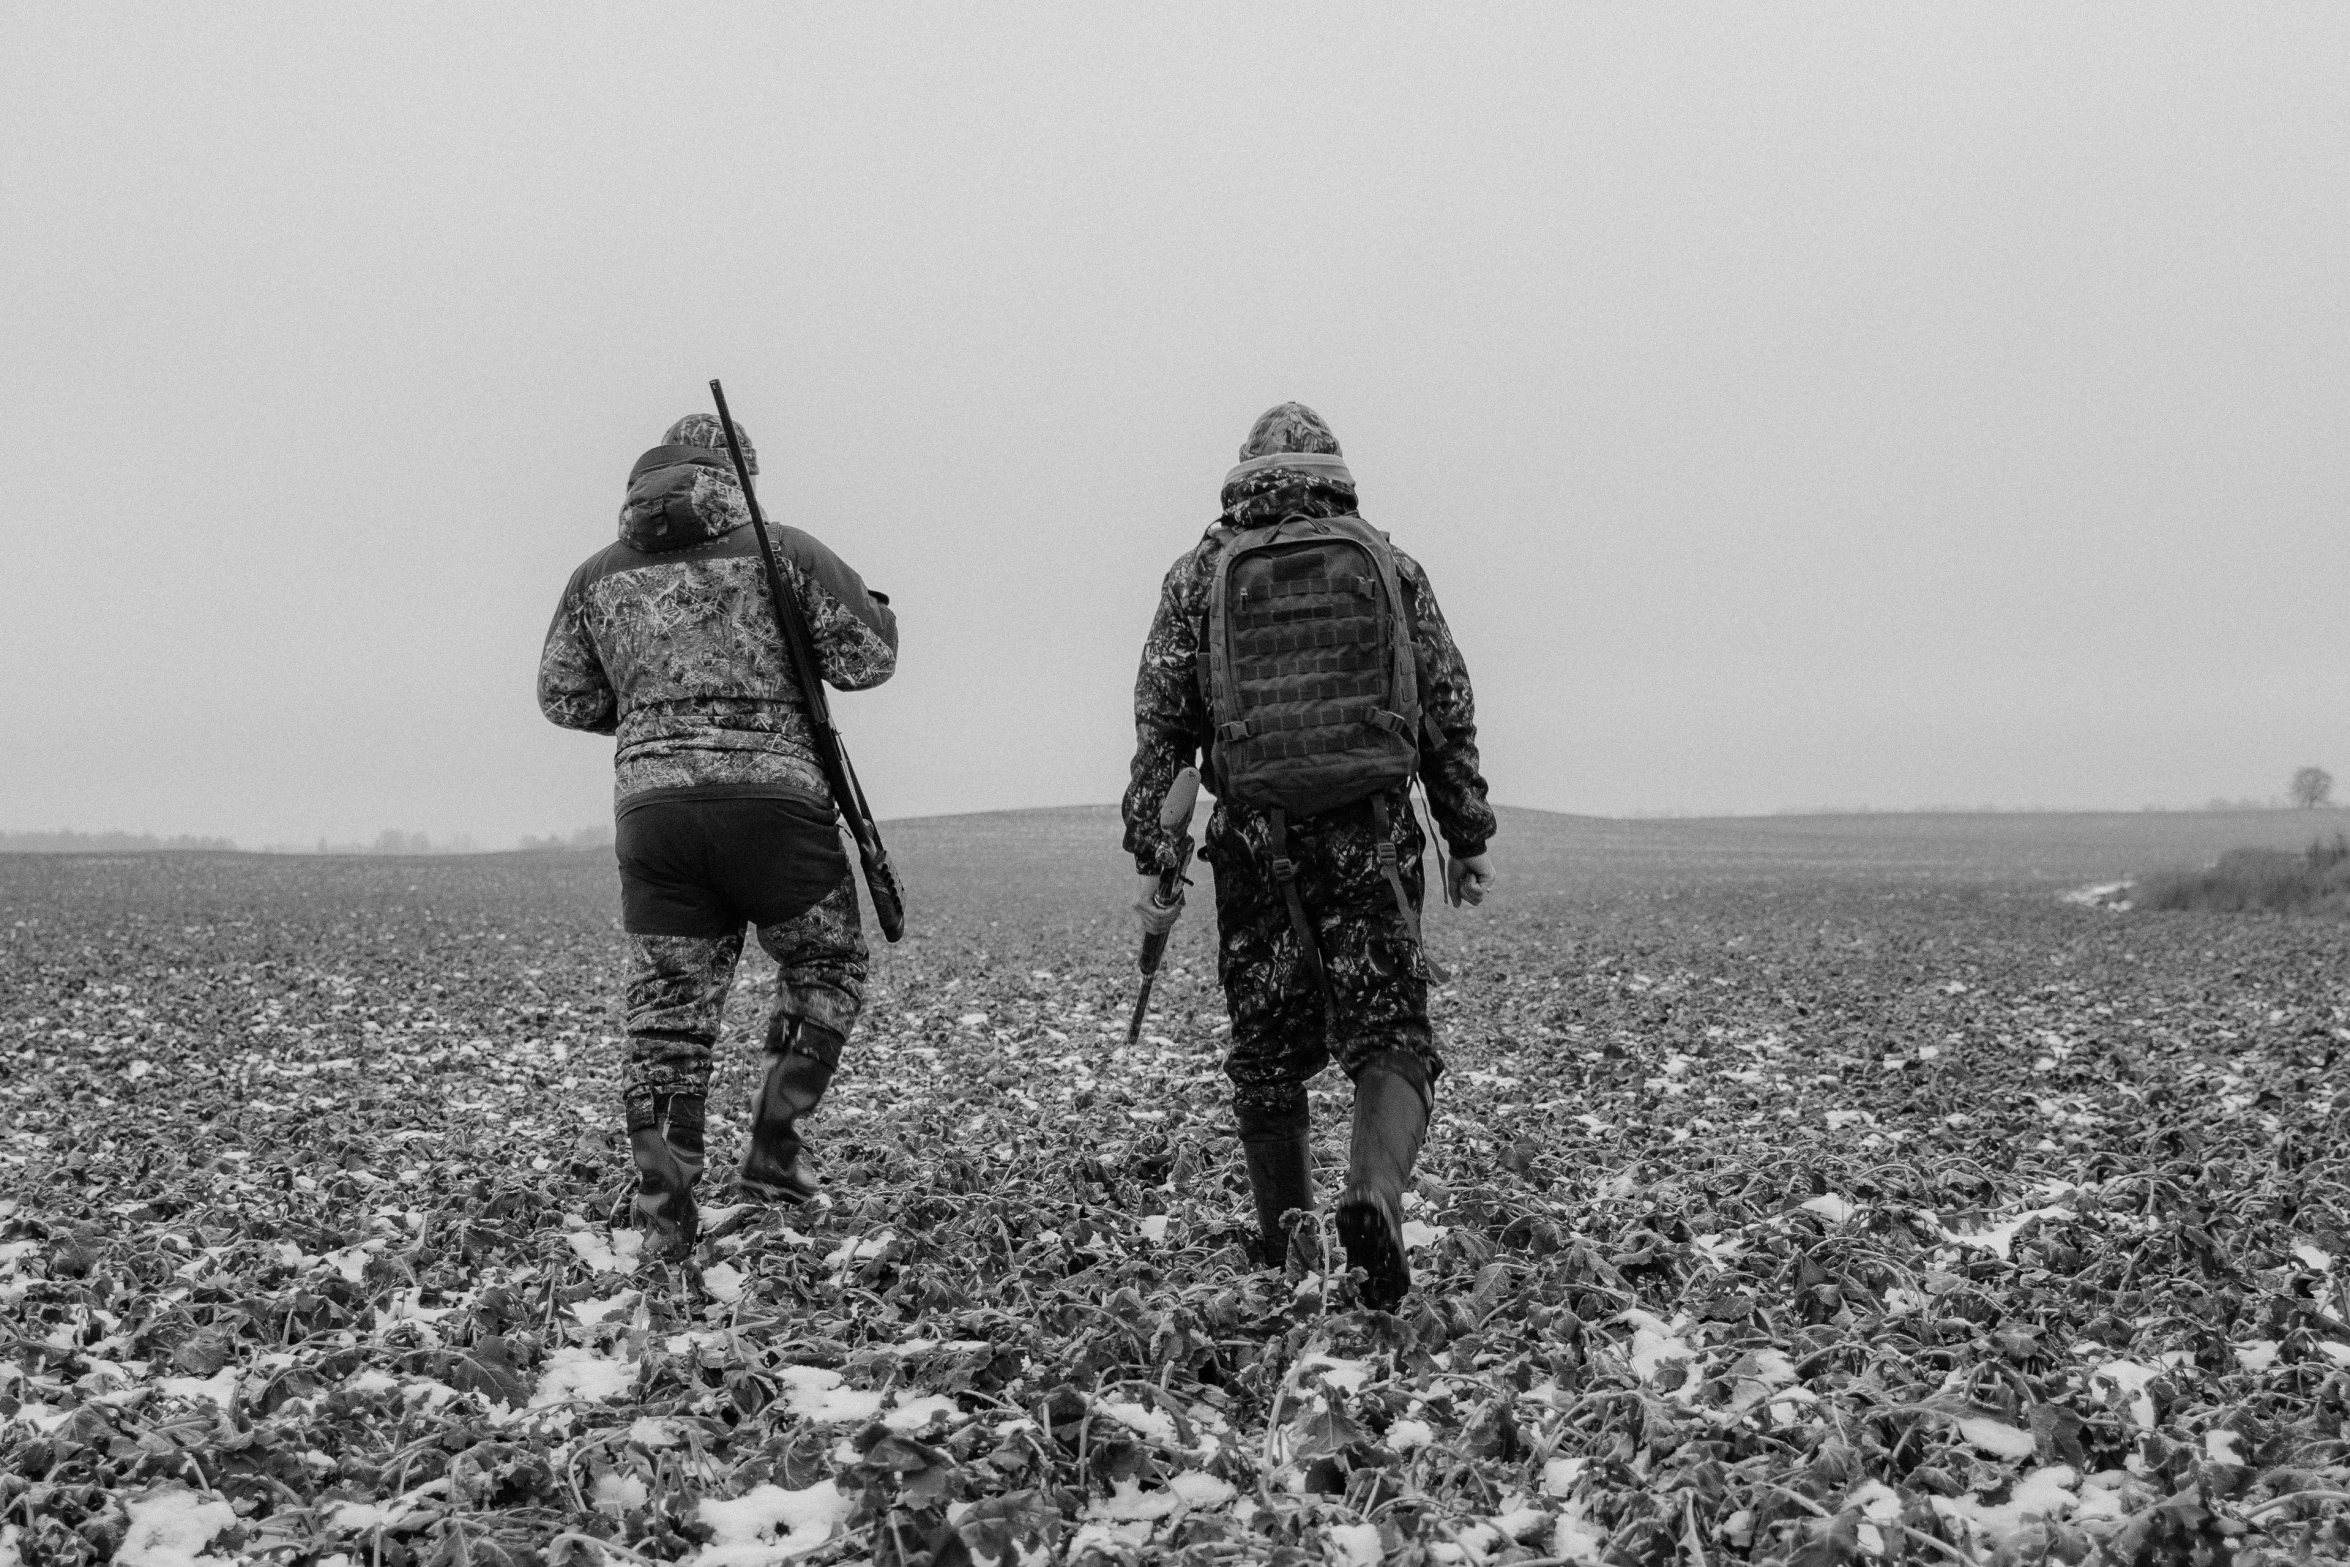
(1791, 404)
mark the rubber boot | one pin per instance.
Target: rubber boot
(1279, 1152)
(666, 1141)
(1391, 1117)
(776, 1166)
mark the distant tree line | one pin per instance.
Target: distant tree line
(66, 841)
(595, 836)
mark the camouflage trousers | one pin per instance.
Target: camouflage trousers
(677, 988)
(1284, 1031)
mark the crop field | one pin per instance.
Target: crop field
(1805, 1190)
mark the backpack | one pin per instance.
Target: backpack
(1308, 665)
(1313, 688)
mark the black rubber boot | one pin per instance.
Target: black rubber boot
(776, 1167)
(665, 1137)
(1391, 1117)
(1279, 1151)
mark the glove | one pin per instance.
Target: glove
(1156, 919)
(1467, 879)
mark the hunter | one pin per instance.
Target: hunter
(1305, 658)
(667, 640)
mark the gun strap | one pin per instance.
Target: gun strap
(1393, 871)
(1285, 875)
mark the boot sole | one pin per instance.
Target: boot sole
(1373, 1247)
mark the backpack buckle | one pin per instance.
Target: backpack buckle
(1232, 733)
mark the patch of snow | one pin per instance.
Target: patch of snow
(1999, 1239)
(602, 1253)
(1576, 1539)
(2314, 1258)
(2256, 1354)
(1154, 1229)
(724, 1281)
(573, 1372)
(1406, 1436)
(220, 1387)
(1199, 1489)
(1354, 1545)
(770, 1524)
(1877, 1501)
(1519, 1522)
(1128, 1502)
(169, 1527)
(2223, 1447)
(2129, 1379)
(1143, 1420)
(591, 1312)
(817, 1395)
(1344, 1375)
(2043, 1493)
(1418, 1236)
(351, 1261)
(1997, 1438)
(1560, 1474)
(855, 1250)
(1828, 1205)
(619, 1493)
(2106, 1499)
(1718, 1250)
(914, 1414)
(649, 1431)
(1112, 1539)
(1657, 1344)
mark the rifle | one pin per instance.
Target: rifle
(848, 796)
(1175, 816)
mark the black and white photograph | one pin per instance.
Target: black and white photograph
(1051, 785)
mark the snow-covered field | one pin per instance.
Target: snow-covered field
(1802, 1189)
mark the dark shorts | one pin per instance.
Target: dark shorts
(703, 866)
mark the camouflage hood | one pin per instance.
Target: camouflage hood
(1289, 465)
(683, 491)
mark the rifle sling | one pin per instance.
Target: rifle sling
(1285, 873)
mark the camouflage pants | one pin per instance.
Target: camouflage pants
(677, 988)
(1283, 1032)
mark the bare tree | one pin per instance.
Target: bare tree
(2312, 787)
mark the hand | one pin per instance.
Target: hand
(1156, 919)
(1467, 879)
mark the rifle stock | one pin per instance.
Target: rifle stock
(848, 795)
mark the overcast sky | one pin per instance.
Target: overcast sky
(1792, 404)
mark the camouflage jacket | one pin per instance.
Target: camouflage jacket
(667, 640)
(1171, 725)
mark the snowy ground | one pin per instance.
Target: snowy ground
(1800, 1190)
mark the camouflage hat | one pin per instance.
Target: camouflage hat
(1286, 427)
(1288, 446)
(702, 430)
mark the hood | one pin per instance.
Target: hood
(681, 495)
(1290, 465)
